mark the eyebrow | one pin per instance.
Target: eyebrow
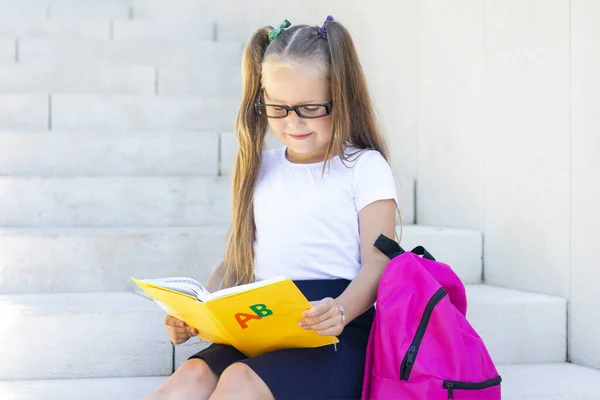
(279, 101)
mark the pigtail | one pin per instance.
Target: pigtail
(250, 134)
(353, 108)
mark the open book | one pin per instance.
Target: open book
(254, 318)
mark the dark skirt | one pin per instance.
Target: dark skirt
(307, 373)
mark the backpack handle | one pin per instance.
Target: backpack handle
(389, 247)
(392, 249)
(420, 250)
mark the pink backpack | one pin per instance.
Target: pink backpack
(421, 345)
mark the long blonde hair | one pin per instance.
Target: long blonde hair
(354, 121)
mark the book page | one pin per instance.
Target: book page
(243, 288)
(183, 285)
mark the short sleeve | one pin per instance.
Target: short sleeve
(373, 180)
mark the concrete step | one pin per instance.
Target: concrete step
(108, 29)
(93, 10)
(520, 382)
(129, 52)
(24, 111)
(462, 249)
(187, 79)
(112, 153)
(76, 79)
(519, 327)
(163, 30)
(19, 29)
(8, 51)
(77, 389)
(23, 10)
(64, 202)
(113, 329)
(38, 10)
(176, 10)
(84, 112)
(102, 259)
(86, 335)
(110, 79)
(560, 381)
(118, 112)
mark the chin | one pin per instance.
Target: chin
(302, 149)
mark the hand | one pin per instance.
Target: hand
(325, 317)
(178, 331)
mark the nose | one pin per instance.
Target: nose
(294, 119)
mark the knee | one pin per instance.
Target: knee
(237, 378)
(198, 371)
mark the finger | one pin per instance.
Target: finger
(320, 308)
(175, 338)
(188, 330)
(328, 323)
(333, 331)
(172, 321)
(182, 337)
(316, 320)
(185, 331)
(179, 340)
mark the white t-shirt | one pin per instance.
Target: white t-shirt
(307, 224)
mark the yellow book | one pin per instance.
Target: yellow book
(254, 318)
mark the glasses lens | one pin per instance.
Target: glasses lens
(313, 111)
(272, 111)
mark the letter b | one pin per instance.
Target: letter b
(261, 310)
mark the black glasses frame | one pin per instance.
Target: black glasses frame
(328, 107)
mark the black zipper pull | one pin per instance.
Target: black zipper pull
(450, 386)
(411, 356)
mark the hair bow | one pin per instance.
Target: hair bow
(274, 32)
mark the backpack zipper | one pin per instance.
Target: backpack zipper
(455, 385)
(413, 349)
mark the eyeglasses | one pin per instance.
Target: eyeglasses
(303, 110)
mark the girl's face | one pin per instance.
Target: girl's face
(293, 85)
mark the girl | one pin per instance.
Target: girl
(310, 210)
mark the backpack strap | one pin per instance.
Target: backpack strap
(388, 246)
(420, 250)
(392, 249)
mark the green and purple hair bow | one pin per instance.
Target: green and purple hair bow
(286, 24)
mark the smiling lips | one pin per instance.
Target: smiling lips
(300, 137)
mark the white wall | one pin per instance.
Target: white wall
(585, 182)
(503, 136)
(493, 106)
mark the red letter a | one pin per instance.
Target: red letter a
(243, 318)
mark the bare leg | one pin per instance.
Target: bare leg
(193, 380)
(239, 381)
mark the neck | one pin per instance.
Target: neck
(299, 158)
